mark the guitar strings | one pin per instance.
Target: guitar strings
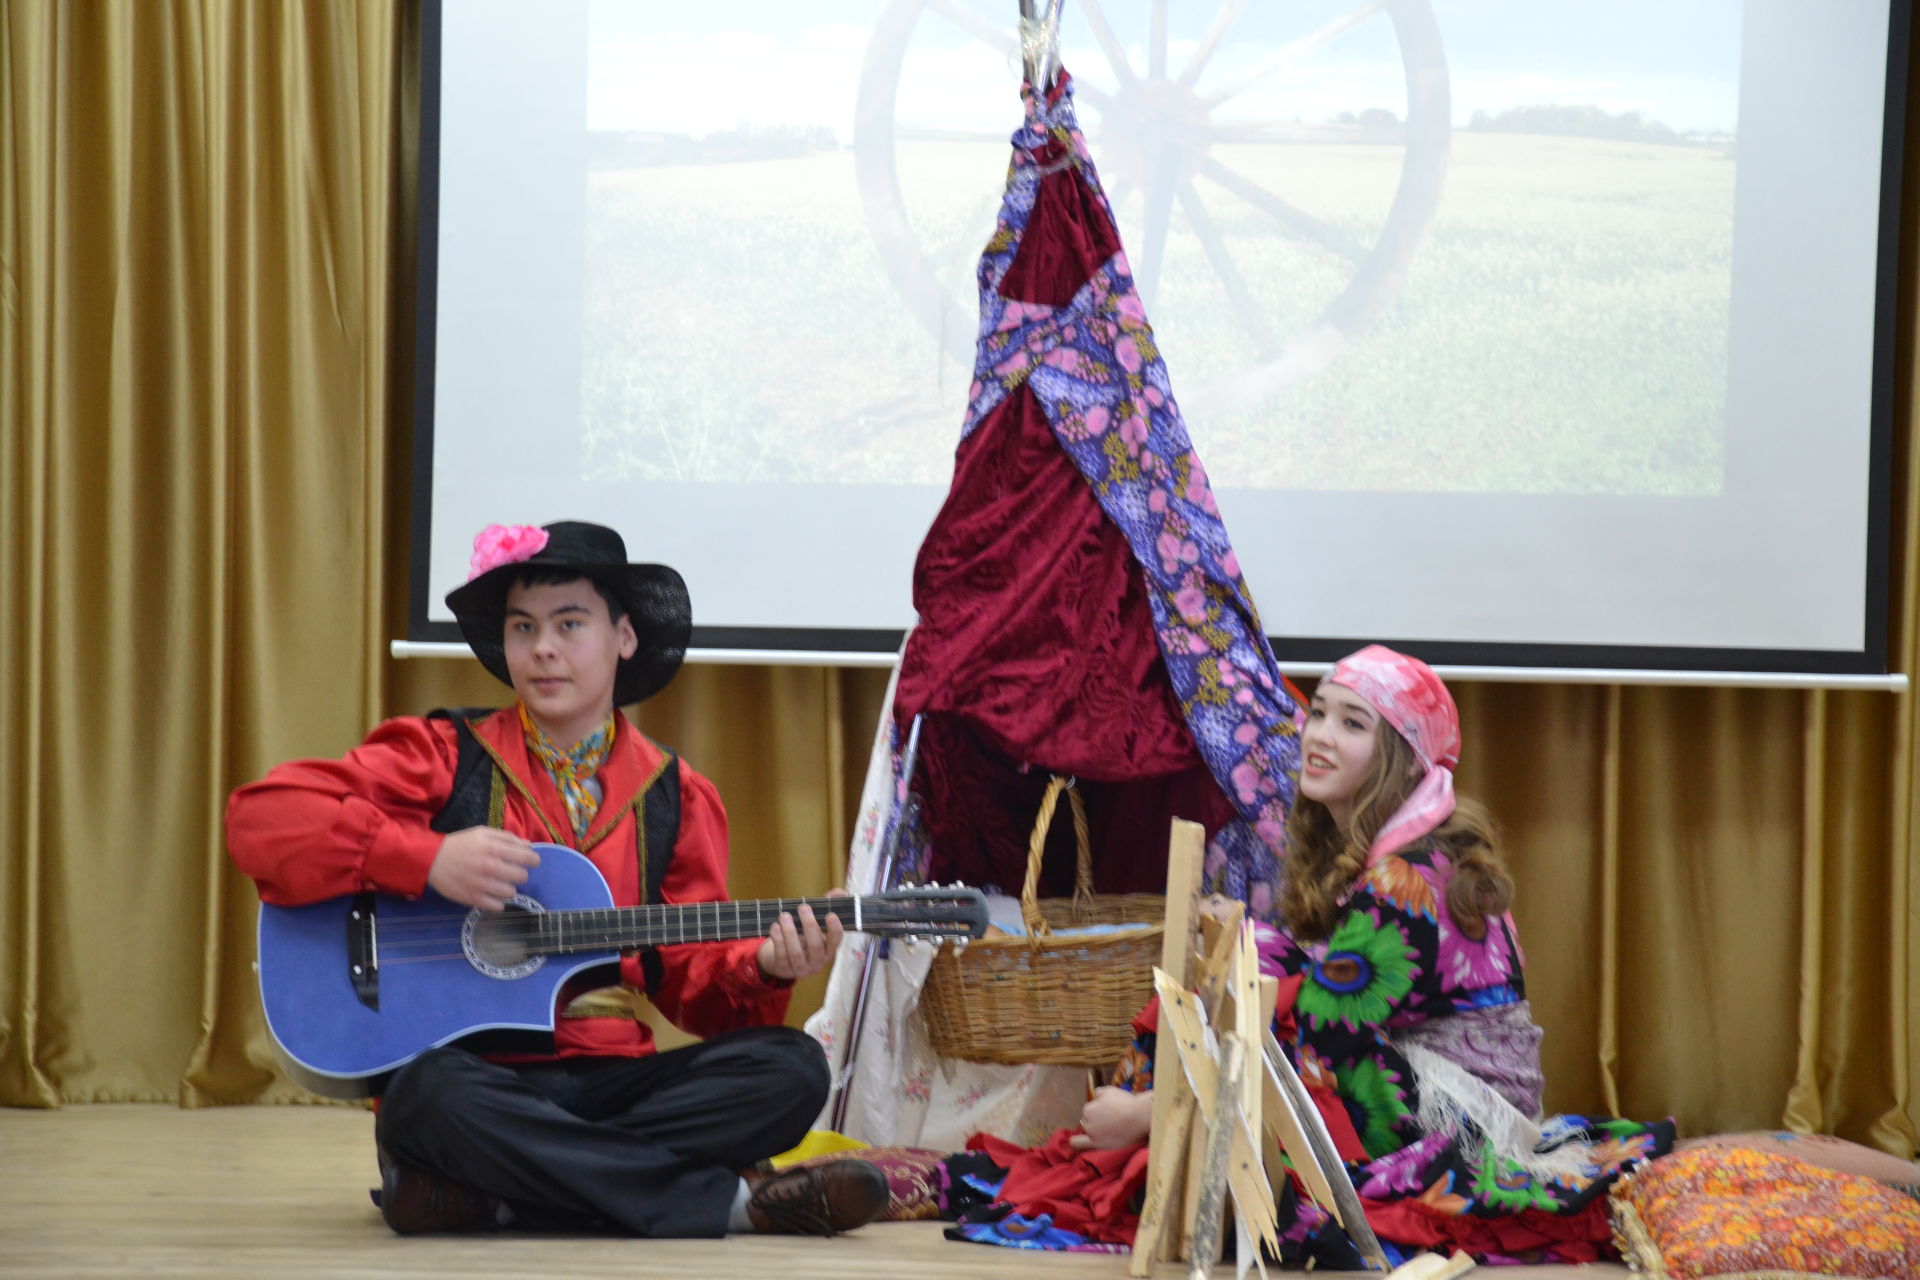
(439, 937)
(772, 907)
(696, 918)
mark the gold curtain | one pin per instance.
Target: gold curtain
(205, 257)
(198, 213)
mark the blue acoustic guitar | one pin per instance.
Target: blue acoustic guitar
(356, 986)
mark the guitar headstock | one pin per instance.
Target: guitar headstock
(932, 911)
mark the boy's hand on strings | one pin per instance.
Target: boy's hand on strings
(799, 948)
(1113, 1118)
(481, 867)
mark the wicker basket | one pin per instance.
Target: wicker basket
(1065, 1001)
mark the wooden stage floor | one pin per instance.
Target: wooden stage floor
(281, 1191)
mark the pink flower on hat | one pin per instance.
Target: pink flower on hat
(499, 544)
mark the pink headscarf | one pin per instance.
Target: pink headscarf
(1411, 698)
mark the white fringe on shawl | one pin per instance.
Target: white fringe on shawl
(1453, 1099)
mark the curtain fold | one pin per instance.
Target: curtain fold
(206, 254)
(198, 219)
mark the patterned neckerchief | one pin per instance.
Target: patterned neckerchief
(570, 767)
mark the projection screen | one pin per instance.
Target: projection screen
(1513, 333)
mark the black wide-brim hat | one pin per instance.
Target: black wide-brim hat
(654, 595)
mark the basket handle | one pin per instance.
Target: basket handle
(1037, 926)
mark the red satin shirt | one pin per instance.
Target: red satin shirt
(316, 829)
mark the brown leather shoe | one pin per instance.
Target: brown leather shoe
(415, 1202)
(817, 1200)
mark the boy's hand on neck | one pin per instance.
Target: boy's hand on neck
(797, 949)
(481, 867)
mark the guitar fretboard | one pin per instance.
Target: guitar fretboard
(563, 932)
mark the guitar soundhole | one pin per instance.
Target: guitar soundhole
(497, 942)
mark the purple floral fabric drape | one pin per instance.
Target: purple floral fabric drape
(1094, 367)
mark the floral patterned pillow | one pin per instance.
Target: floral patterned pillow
(912, 1178)
(1757, 1215)
(1816, 1148)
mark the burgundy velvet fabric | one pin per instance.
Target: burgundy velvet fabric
(979, 808)
(1069, 237)
(1034, 621)
(1035, 650)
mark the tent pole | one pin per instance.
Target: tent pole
(1027, 15)
(1040, 62)
(877, 949)
(1051, 63)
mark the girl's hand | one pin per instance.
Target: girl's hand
(1113, 1118)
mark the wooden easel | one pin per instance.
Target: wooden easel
(1173, 1101)
(1250, 1109)
(1198, 1166)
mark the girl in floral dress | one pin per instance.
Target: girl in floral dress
(1408, 1015)
(1403, 1006)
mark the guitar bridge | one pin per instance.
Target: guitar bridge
(363, 950)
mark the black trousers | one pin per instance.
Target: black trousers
(650, 1145)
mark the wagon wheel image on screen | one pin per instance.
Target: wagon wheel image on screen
(1178, 162)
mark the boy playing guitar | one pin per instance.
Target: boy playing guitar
(593, 1125)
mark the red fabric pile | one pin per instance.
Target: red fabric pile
(1090, 1192)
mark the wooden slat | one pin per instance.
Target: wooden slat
(1161, 1197)
(1186, 854)
(1182, 1021)
(1285, 1125)
(1206, 1242)
(1208, 979)
(1253, 1015)
(1180, 1246)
